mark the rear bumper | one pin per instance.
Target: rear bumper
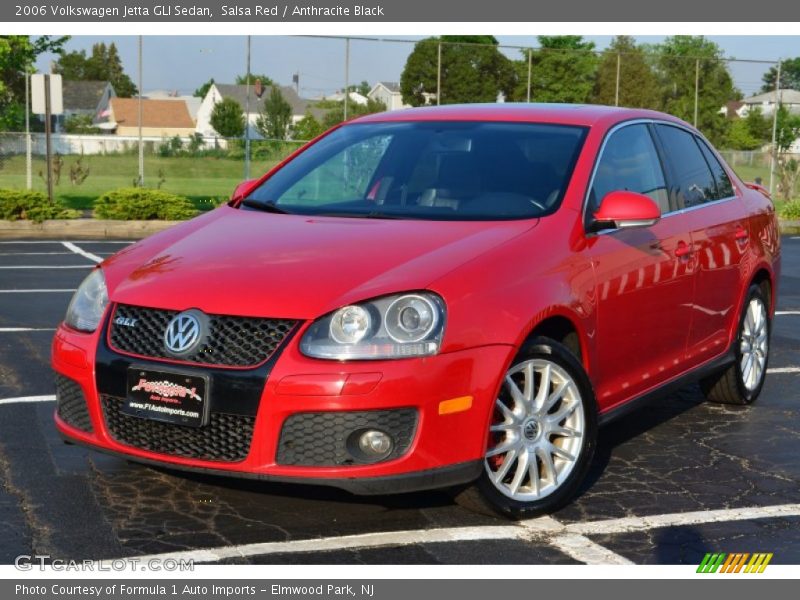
(446, 449)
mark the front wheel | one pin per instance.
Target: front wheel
(541, 437)
(742, 381)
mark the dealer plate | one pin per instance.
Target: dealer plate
(167, 396)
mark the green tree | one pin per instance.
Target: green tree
(104, 64)
(307, 128)
(740, 137)
(677, 58)
(227, 118)
(275, 118)
(362, 88)
(787, 166)
(18, 55)
(638, 86)
(562, 70)
(335, 115)
(473, 70)
(203, 89)
(790, 76)
(759, 126)
(265, 80)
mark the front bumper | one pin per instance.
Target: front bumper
(446, 447)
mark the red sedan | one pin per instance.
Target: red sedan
(440, 297)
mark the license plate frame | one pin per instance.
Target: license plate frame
(167, 396)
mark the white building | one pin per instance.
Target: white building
(389, 93)
(766, 102)
(218, 91)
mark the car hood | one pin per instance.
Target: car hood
(251, 263)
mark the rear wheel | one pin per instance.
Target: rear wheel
(742, 381)
(541, 437)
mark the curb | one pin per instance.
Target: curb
(96, 229)
(82, 229)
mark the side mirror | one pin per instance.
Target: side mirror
(622, 209)
(243, 189)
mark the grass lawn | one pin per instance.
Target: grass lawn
(205, 181)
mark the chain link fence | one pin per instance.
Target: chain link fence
(206, 168)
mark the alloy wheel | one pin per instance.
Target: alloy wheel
(537, 432)
(753, 344)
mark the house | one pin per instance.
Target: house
(732, 109)
(160, 118)
(218, 91)
(353, 97)
(389, 93)
(766, 102)
(89, 98)
(192, 102)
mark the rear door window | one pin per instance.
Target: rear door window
(692, 180)
(724, 185)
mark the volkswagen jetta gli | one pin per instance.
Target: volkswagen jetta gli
(442, 297)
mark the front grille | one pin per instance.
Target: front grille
(231, 341)
(71, 404)
(225, 438)
(321, 439)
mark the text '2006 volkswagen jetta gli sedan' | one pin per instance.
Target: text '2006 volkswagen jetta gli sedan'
(440, 297)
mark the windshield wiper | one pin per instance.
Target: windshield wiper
(356, 215)
(267, 206)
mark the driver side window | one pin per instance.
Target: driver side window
(630, 162)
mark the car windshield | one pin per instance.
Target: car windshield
(454, 170)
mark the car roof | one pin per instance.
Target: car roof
(586, 115)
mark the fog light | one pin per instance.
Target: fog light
(374, 443)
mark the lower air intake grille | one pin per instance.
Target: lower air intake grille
(71, 404)
(225, 438)
(320, 439)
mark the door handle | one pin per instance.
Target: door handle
(741, 233)
(683, 249)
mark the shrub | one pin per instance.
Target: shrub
(33, 206)
(129, 204)
(789, 210)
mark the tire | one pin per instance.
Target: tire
(741, 382)
(540, 444)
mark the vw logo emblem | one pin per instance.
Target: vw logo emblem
(184, 333)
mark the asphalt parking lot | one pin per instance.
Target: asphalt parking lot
(670, 482)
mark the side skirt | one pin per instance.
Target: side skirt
(668, 388)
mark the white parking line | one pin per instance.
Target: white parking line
(32, 253)
(570, 538)
(779, 370)
(77, 250)
(787, 312)
(25, 399)
(19, 329)
(59, 242)
(46, 266)
(347, 542)
(35, 291)
(628, 524)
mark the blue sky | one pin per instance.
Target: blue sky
(183, 63)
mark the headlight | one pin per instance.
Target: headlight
(399, 326)
(89, 303)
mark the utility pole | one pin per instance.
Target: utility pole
(141, 140)
(346, 75)
(47, 133)
(616, 93)
(530, 54)
(28, 148)
(773, 159)
(696, 87)
(247, 117)
(439, 76)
